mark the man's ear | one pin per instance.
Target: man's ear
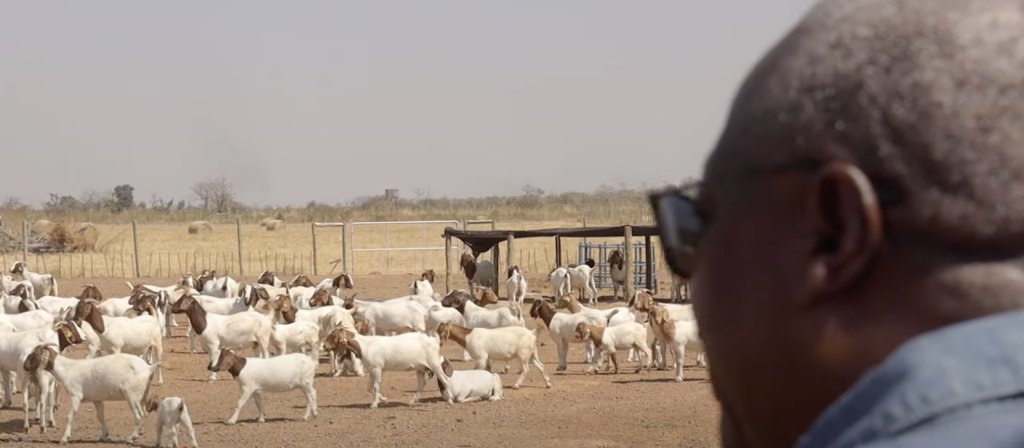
(849, 228)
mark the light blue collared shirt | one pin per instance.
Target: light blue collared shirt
(959, 386)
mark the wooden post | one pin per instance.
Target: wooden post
(629, 262)
(238, 230)
(650, 263)
(135, 245)
(558, 251)
(312, 230)
(344, 250)
(496, 252)
(24, 241)
(508, 257)
(447, 264)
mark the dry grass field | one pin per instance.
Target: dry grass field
(581, 410)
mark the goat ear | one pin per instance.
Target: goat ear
(354, 347)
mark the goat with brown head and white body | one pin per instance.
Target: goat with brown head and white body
(118, 377)
(42, 284)
(14, 347)
(410, 351)
(677, 335)
(620, 337)
(469, 385)
(617, 271)
(479, 317)
(279, 374)
(141, 335)
(506, 343)
(562, 327)
(218, 332)
(210, 284)
(479, 274)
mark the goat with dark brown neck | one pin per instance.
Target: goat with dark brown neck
(217, 331)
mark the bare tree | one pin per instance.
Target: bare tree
(215, 194)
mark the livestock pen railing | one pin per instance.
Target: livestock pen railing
(240, 249)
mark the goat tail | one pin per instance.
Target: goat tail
(612, 314)
(53, 286)
(149, 383)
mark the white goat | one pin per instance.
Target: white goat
(482, 274)
(119, 377)
(484, 344)
(296, 337)
(560, 281)
(469, 385)
(480, 317)
(582, 277)
(211, 285)
(28, 320)
(42, 284)
(280, 374)
(217, 332)
(516, 286)
(384, 317)
(14, 346)
(171, 412)
(404, 352)
(36, 380)
(216, 305)
(677, 335)
(562, 328)
(609, 339)
(140, 335)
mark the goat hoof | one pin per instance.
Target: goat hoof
(261, 420)
(64, 441)
(515, 386)
(679, 379)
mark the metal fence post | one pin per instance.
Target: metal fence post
(629, 262)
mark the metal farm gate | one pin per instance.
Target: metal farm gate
(602, 272)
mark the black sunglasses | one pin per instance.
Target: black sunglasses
(680, 226)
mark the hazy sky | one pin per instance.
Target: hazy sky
(301, 100)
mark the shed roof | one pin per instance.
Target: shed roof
(483, 240)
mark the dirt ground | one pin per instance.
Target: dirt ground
(646, 409)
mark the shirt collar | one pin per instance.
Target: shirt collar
(932, 374)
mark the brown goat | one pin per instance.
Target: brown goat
(468, 265)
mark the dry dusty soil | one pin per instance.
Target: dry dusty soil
(628, 409)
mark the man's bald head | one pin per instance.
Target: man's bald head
(868, 188)
(925, 96)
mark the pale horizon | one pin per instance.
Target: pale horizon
(329, 101)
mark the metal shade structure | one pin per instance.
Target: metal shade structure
(480, 241)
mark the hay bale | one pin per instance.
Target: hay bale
(196, 227)
(264, 221)
(86, 237)
(274, 224)
(42, 226)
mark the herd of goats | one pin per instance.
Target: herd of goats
(291, 323)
